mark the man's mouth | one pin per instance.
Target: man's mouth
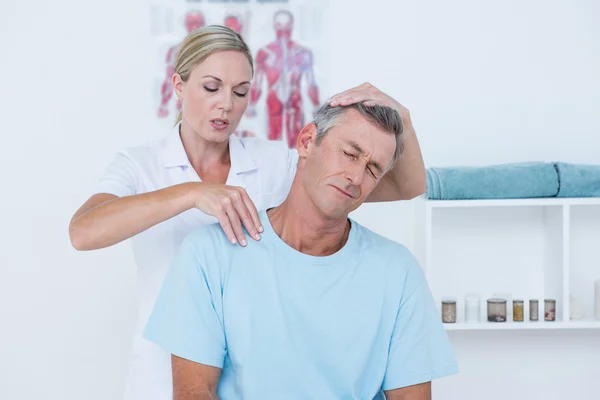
(344, 192)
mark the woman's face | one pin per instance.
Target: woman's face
(216, 95)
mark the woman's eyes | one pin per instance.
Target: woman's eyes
(212, 90)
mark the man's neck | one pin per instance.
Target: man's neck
(301, 226)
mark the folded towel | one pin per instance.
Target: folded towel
(578, 180)
(505, 181)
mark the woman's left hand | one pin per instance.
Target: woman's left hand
(369, 95)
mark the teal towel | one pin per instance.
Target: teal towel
(504, 181)
(578, 180)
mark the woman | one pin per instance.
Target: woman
(201, 173)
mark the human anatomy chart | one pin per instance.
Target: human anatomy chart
(289, 46)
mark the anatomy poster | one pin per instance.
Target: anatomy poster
(289, 44)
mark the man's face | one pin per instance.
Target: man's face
(343, 170)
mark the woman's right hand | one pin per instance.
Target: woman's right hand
(232, 207)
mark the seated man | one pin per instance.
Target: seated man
(321, 307)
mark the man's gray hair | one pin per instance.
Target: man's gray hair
(385, 118)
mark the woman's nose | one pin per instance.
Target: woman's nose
(226, 102)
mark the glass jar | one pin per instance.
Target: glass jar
(496, 310)
(549, 310)
(533, 310)
(472, 311)
(518, 311)
(449, 311)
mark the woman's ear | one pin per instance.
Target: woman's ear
(177, 84)
(306, 139)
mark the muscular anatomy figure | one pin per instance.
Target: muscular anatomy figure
(193, 21)
(283, 64)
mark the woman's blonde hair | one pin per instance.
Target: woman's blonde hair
(202, 43)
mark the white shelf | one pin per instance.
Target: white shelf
(587, 323)
(513, 202)
(529, 248)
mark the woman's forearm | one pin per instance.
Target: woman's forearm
(119, 218)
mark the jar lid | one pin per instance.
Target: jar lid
(517, 301)
(496, 300)
(448, 301)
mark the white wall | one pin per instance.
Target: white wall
(486, 82)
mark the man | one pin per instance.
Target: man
(319, 308)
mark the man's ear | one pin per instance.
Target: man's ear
(306, 139)
(177, 84)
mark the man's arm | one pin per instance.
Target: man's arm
(187, 318)
(419, 350)
(408, 178)
(193, 381)
(421, 391)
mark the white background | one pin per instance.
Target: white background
(486, 82)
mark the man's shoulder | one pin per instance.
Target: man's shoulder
(378, 242)
(375, 245)
(393, 260)
(210, 236)
(214, 254)
(207, 243)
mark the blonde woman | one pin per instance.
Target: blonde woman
(202, 173)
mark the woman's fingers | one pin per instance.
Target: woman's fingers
(336, 99)
(357, 94)
(234, 210)
(253, 213)
(344, 98)
(244, 213)
(226, 225)
(235, 221)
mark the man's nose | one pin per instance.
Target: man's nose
(355, 173)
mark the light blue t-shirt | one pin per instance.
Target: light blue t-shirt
(285, 325)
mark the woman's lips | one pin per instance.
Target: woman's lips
(219, 124)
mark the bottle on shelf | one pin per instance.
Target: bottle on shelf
(496, 310)
(472, 310)
(518, 311)
(549, 310)
(449, 311)
(534, 307)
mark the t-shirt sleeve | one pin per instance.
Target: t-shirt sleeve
(420, 350)
(187, 317)
(120, 177)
